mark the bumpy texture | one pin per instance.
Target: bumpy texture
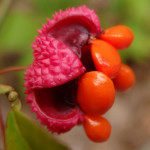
(80, 11)
(55, 64)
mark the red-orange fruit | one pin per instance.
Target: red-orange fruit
(119, 36)
(95, 93)
(105, 57)
(97, 128)
(125, 79)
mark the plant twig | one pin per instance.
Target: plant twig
(10, 69)
(2, 128)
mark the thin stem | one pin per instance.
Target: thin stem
(11, 69)
(2, 128)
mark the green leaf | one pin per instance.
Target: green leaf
(23, 134)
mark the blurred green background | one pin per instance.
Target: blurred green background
(20, 19)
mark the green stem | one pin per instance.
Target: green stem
(12, 97)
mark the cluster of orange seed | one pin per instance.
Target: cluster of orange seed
(96, 89)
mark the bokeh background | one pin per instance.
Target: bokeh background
(130, 115)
